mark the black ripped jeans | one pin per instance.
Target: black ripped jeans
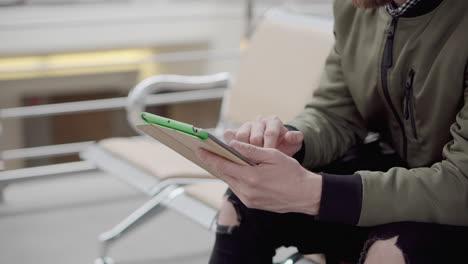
(260, 232)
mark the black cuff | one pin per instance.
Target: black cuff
(341, 199)
(299, 156)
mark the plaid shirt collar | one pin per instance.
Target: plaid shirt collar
(400, 10)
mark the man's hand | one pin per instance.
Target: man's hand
(278, 184)
(267, 132)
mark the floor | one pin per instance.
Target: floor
(57, 221)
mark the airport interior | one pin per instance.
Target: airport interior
(79, 182)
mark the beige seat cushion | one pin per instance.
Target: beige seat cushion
(210, 193)
(152, 157)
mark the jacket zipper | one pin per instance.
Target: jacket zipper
(409, 102)
(387, 63)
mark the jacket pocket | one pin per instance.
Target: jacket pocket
(409, 107)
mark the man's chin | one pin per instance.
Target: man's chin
(370, 3)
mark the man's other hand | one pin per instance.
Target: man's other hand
(267, 132)
(278, 184)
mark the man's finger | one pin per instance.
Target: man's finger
(254, 153)
(256, 133)
(229, 135)
(294, 137)
(222, 167)
(243, 133)
(273, 130)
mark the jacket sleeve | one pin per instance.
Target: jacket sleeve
(330, 121)
(438, 194)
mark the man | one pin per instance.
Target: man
(398, 68)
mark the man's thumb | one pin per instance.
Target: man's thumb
(254, 153)
(294, 137)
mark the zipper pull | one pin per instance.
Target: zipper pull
(406, 109)
(410, 79)
(408, 94)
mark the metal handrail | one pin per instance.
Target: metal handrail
(107, 104)
(91, 106)
(2, 163)
(249, 18)
(44, 151)
(28, 174)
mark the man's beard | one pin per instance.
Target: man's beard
(370, 3)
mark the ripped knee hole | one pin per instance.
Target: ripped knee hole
(228, 217)
(383, 251)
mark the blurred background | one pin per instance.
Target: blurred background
(66, 68)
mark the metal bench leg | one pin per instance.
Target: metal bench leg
(2, 192)
(136, 218)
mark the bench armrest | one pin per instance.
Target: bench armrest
(169, 83)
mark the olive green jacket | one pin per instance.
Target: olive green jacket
(406, 77)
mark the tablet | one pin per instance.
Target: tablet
(185, 139)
